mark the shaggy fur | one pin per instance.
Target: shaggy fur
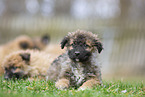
(78, 66)
(27, 63)
(22, 42)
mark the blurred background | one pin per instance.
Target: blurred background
(120, 25)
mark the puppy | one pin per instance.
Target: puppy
(29, 63)
(78, 66)
(22, 42)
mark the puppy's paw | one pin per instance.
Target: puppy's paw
(62, 84)
(83, 88)
(89, 84)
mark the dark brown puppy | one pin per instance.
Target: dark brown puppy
(77, 67)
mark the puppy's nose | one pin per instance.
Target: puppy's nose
(77, 53)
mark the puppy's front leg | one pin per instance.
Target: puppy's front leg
(89, 84)
(62, 84)
(63, 81)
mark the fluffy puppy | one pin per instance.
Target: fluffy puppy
(20, 43)
(29, 63)
(78, 66)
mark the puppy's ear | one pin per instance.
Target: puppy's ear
(64, 41)
(25, 56)
(24, 45)
(98, 45)
(45, 39)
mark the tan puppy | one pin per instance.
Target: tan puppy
(27, 63)
(78, 66)
(22, 42)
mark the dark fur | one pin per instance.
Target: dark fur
(25, 56)
(9, 73)
(45, 39)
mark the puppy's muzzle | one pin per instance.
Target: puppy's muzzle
(79, 55)
(11, 75)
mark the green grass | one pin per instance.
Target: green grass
(41, 88)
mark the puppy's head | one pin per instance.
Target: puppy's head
(14, 65)
(81, 45)
(24, 42)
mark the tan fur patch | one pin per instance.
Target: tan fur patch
(62, 84)
(89, 84)
(69, 46)
(17, 70)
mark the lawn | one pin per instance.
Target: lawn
(42, 88)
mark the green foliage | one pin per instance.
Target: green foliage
(42, 88)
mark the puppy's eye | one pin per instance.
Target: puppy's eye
(72, 44)
(24, 45)
(86, 45)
